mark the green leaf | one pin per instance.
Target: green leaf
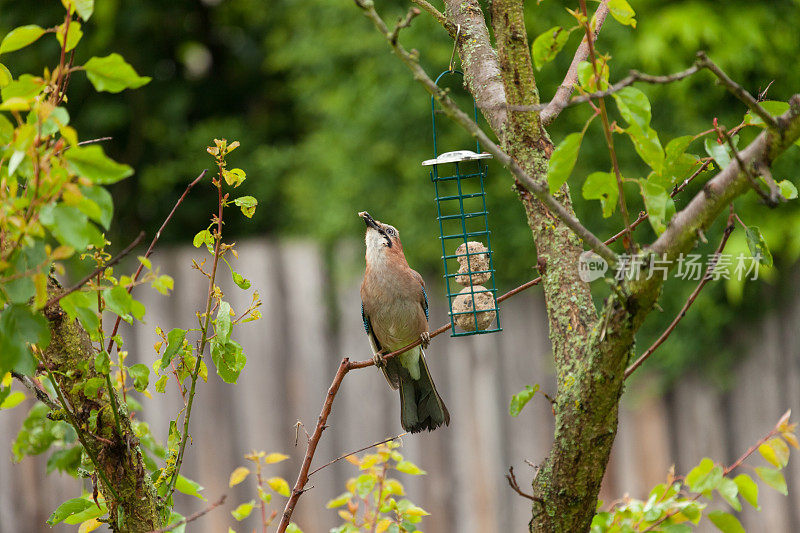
(161, 384)
(243, 510)
(119, 301)
(677, 146)
(622, 12)
(247, 204)
(725, 522)
(647, 145)
(602, 186)
(634, 106)
(5, 77)
(92, 163)
(163, 284)
(563, 161)
(234, 176)
(223, 322)
(364, 485)
(547, 45)
(74, 35)
(102, 363)
(229, 360)
(718, 151)
(141, 376)
(25, 87)
(20, 326)
(773, 478)
(655, 201)
(758, 246)
(772, 107)
(20, 37)
(189, 487)
(113, 74)
(748, 489)
(69, 508)
(70, 226)
(519, 400)
(82, 306)
(93, 385)
(407, 467)
(699, 472)
(12, 400)
(203, 237)
(729, 490)
(85, 8)
(174, 343)
(293, 528)
(338, 501)
(105, 204)
(241, 281)
(788, 190)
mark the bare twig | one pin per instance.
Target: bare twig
(37, 389)
(737, 90)
(116, 259)
(384, 441)
(150, 251)
(560, 100)
(512, 480)
(437, 15)
(540, 190)
(193, 517)
(93, 141)
(404, 22)
(632, 77)
(745, 168)
(692, 297)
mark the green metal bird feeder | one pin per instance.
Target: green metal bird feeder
(458, 178)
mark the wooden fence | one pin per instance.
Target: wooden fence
(312, 319)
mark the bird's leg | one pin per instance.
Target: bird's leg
(378, 359)
(426, 339)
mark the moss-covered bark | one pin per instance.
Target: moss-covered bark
(132, 500)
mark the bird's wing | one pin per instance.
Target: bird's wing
(393, 380)
(424, 299)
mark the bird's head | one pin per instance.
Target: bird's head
(381, 239)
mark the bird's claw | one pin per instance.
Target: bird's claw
(378, 359)
(426, 339)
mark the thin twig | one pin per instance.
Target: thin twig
(150, 251)
(404, 22)
(632, 77)
(99, 270)
(722, 132)
(539, 189)
(437, 15)
(37, 389)
(384, 441)
(93, 141)
(512, 480)
(692, 297)
(737, 90)
(560, 100)
(193, 517)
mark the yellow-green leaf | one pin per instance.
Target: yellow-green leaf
(773, 478)
(339, 500)
(20, 38)
(407, 467)
(238, 475)
(275, 458)
(243, 510)
(622, 12)
(279, 485)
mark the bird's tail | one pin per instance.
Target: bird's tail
(421, 407)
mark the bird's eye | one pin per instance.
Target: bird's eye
(390, 232)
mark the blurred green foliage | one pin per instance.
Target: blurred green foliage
(334, 124)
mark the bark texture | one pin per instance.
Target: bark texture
(132, 500)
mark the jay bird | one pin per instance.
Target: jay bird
(394, 307)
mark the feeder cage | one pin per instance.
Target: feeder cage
(458, 178)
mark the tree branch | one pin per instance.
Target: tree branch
(540, 190)
(478, 60)
(438, 16)
(692, 297)
(561, 99)
(737, 90)
(192, 518)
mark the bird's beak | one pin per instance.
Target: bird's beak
(369, 221)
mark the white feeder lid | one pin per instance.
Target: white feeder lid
(455, 157)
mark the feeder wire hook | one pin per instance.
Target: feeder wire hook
(455, 44)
